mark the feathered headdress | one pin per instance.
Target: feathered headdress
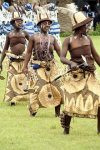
(42, 16)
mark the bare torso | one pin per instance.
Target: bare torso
(79, 46)
(43, 47)
(17, 41)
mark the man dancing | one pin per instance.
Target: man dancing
(46, 91)
(81, 88)
(16, 40)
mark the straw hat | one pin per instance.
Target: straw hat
(79, 19)
(15, 16)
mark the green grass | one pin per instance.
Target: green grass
(19, 131)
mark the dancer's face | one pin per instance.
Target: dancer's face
(18, 23)
(82, 29)
(45, 26)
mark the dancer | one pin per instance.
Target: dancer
(46, 91)
(81, 88)
(16, 40)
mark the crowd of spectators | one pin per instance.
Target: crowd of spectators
(30, 14)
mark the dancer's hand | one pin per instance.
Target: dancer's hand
(25, 71)
(73, 65)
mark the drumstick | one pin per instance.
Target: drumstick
(68, 71)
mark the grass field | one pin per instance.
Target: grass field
(19, 131)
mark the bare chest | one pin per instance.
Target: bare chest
(17, 38)
(76, 42)
(43, 43)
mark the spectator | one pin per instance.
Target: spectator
(97, 16)
(16, 6)
(86, 8)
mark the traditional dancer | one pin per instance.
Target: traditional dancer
(46, 91)
(16, 40)
(81, 88)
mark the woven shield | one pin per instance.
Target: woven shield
(49, 96)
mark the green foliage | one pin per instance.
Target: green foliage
(91, 33)
(97, 32)
(65, 34)
(19, 131)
